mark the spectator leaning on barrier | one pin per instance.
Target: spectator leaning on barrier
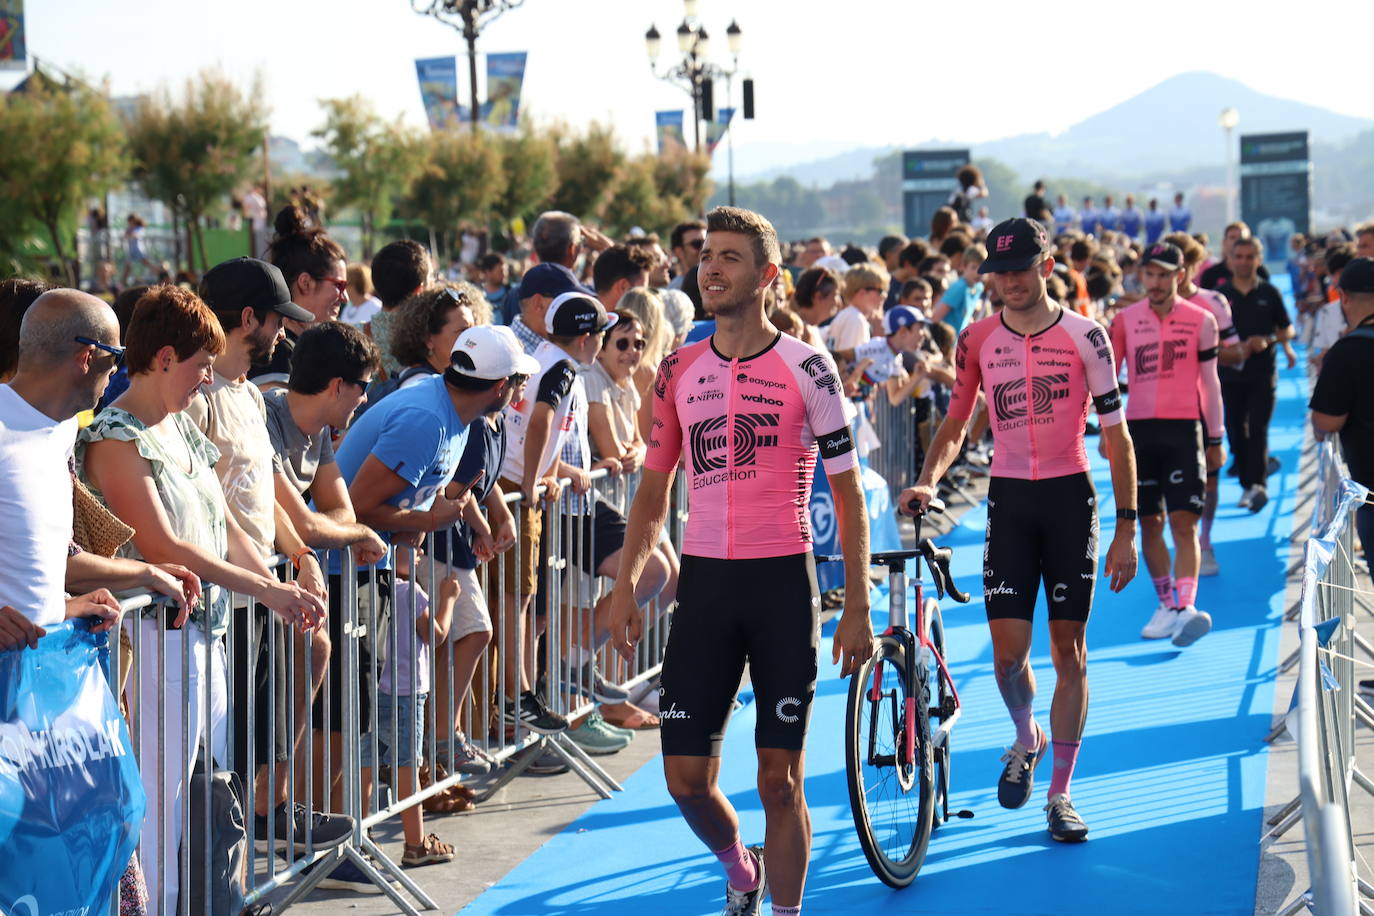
(154, 469)
(251, 301)
(330, 370)
(1342, 399)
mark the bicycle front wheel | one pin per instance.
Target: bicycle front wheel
(891, 778)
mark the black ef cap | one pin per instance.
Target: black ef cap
(1164, 254)
(249, 283)
(1358, 276)
(1015, 244)
(574, 314)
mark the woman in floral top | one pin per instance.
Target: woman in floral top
(155, 470)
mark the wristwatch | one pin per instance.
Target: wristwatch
(1126, 515)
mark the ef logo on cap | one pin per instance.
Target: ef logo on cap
(1004, 242)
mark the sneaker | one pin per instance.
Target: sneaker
(535, 714)
(1017, 781)
(430, 851)
(1063, 821)
(588, 682)
(1192, 626)
(349, 877)
(327, 830)
(547, 763)
(596, 740)
(468, 758)
(1258, 497)
(1163, 624)
(747, 903)
(1246, 497)
(1272, 465)
(1209, 565)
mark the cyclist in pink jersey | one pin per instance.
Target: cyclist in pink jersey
(1039, 365)
(746, 411)
(1232, 353)
(1169, 346)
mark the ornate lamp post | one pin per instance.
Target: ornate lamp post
(468, 17)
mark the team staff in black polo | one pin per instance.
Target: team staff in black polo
(1247, 390)
(1343, 398)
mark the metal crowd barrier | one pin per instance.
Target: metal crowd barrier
(1325, 708)
(169, 707)
(897, 429)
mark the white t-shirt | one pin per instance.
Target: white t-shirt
(233, 416)
(557, 385)
(1329, 327)
(360, 314)
(848, 330)
(36, 508)
(886, 363)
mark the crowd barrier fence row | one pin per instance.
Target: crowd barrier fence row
(1325, 708)
(269, 705)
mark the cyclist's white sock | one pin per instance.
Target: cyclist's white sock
(1025, 725)
(1065, 757)
(1187, 592)
(1164, 588)
(786, 910)
(739, 864)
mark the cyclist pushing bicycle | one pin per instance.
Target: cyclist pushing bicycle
(748, 411)
(1039, 365)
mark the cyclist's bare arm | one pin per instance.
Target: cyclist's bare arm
(944, 448)
(648, 512)
(854, 633)
(1121, 555)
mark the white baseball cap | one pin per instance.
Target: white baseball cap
(490, 352)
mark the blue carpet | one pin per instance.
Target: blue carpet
(1171, 777)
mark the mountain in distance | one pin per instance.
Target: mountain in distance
(1171, 126)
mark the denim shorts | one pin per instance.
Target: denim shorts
(410, 730)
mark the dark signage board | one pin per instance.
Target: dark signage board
(927, 182)
(1276, 188)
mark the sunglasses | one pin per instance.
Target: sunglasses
(695, 244)
(116, 352)
(360, 383)
(874, 289)
(623, 344)
(341, 286)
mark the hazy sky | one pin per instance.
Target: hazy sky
(867, 72)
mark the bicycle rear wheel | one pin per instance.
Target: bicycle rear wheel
(891, 789)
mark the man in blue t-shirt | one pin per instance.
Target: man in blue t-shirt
(399, 458)
(1090, 218)
(1180, 217)
(1154, 223)
(1131, 218)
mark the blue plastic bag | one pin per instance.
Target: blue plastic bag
(70, 797)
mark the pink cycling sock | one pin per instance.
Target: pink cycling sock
(1025, 726)
(1065, 756)
(786, 910)
(739, 866)
(1187, 592)
(1164, 588)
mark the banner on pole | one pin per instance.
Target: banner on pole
(1276, 188)
(438, 78)
(670, 136)
(13, 51)
(715, 130)
(505, 77)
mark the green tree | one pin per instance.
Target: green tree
(682, 177)
(379, 160)
(63, 145)
(459, 181)
(636, 200)
(589, 165)
(529, 164)
(192, 151)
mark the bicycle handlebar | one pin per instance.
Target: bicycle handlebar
(937, 561)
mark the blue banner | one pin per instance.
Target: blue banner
(71, 803)
(669, 131)
(438, 78)
(715, 130)
(825, 522)
(13, 52)
(505, 77)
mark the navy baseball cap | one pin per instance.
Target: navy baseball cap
(1358, 276)
(1015, 244)
(249, 283)
(902, 316)
(551, 280)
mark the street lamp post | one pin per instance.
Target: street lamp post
(469, 17)
(695, 70)
(1227, 120)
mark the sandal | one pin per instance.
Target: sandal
(444, 803)
(430, 851)
(633, 717)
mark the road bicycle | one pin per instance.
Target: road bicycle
(902, 708)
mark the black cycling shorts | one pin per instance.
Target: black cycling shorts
(1170, 465)
(765, 611)
(1040, 531)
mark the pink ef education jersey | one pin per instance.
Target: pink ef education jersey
(748, 431)
(1172, 364)
(1220, 307)
(1038, 388)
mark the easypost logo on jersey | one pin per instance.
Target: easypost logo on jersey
(745, 378)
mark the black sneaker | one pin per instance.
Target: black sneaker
(588, 682)
(535, 715)
(1063, 821)
(326, 830)
(1017, 781)
(747, 903)
(349, 877)
(547, 763)
(1272, 466)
